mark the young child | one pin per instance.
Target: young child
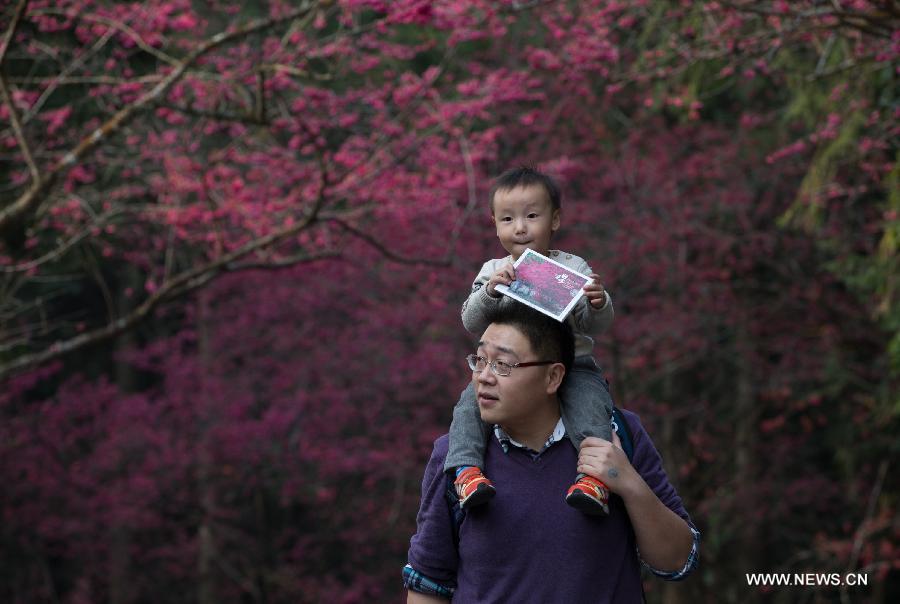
(525, 208)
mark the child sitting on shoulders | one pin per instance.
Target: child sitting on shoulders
(525, 208)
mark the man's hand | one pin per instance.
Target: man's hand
(607, 462)
(505, 275)
(595, 292)
(663, 537)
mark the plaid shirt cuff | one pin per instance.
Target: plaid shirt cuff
(689, 566)
(416, 581)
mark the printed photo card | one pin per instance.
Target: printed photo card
(545, 285)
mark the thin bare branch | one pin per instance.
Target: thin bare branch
(179, 285)
(70, 68)
(93, 269)
(113, 23)
(20, 134)
(282, 262)
(472, 192)
(233, 573)
(252, 119)
(418, 100)
(65, 246)
(384, 250)
(12, 344)
(861, 532)
(294, 71)
(11, 29)
(11, 216)
(872, 24)
(82, 80)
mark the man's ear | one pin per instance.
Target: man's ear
(555, 375)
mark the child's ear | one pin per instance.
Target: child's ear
(554, 225)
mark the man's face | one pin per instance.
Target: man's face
(517, 398)
(524, 218)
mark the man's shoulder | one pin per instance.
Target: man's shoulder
(635, 427)
(645, 450)
(439, 451)
(633, 419)
(442, 445)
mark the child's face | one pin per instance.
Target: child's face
(524, 218)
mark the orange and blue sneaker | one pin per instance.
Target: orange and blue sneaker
(589, 496)
(473, 488)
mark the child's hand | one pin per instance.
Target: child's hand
(595, 292)
(505, 275)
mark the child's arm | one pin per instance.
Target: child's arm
(594, 314)
(484, 299)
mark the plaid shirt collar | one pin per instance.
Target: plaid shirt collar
(505, 440)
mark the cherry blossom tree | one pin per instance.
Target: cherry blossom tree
(234, 239)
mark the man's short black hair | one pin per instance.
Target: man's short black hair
(550, 340)
(527, 176)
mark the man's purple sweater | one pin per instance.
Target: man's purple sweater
(526, 544)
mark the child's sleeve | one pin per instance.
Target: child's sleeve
(479, 305)
(587, 319)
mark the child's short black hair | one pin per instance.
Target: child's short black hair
(527, 176)
(550, 339)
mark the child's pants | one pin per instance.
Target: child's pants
(585, 406)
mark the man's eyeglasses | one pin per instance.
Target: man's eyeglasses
(501, 368)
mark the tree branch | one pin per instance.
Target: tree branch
(250, 119)
(387, 253)
(177, 286)
(472, 191)
(81, 80)
(113, 23)
(70, 68)
(11, 216)
(11, 30)
(20, 134)
(64, 246)
(862, 530)
(871, 24)
(283, 262)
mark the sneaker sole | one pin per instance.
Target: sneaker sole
(482, 495)
(586, 504)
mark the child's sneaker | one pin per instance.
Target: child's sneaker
(589, 496)
(473, 488)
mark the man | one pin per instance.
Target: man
(526, 544)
